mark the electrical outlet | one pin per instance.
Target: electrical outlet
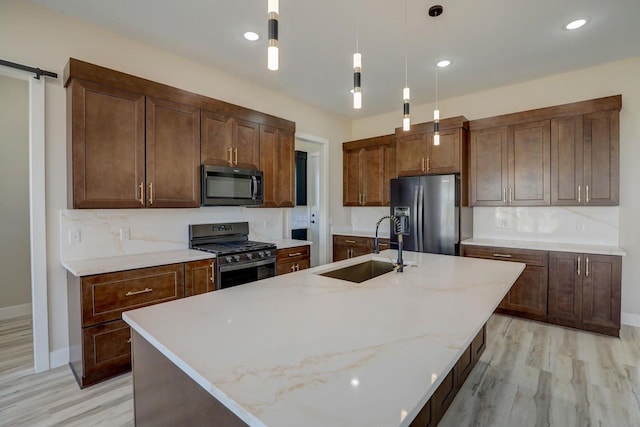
(125, 234)
(74, 236)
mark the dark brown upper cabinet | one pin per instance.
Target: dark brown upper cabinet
(277, 162)
(416, 153)
(138, 143)
(229, 141)
(368, 166)
(172, 155)
(566, 155)
(124, 157)
(107, 139)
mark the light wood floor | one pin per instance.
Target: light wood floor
(531, 374)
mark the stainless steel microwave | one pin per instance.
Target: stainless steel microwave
(227, 186)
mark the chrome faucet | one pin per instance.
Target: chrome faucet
(398, 228)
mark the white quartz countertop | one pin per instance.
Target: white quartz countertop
(547, 246)
(291, 243)
(87, 267)
(307, 350)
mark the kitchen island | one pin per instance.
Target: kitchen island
(304, 349)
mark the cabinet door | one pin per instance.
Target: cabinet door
(286, 168)
(567, 187)
(529, 293)
(411, 154)
(488, 159)
(565, 287)
(601, 291)
(216, 138)
(445, 157)
(529, 164)
(372, 176)
(172, 155)
(389, 173)
(351, 190)
(107, 139)
(199, 277)
(341, 253)
(269, 165)
(246, 144)
(106, 351)
(601, 158)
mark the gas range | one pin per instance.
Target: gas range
(238, 259)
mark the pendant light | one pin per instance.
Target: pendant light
(435, 11)
(357, 67)
(272, 50)
(406, 92)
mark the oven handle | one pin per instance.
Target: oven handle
(254, 184)
(233, 267)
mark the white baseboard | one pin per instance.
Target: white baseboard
(15, 311)
(630, 319)
(58, 358)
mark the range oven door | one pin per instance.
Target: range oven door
(238, 274)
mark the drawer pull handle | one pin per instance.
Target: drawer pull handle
(502, 255)
(293, 268)
(129, 340)
(296, 254)
(349, 241)
(586, 270)
(144, 291)
(579, 266)
(213, 272)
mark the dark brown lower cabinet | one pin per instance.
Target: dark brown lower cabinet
(584, 291)
(99, 341)
(528, 295)
(293, 259)
(435, 408)
(570, 289)
(345, 247)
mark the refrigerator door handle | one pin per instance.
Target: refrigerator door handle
(420, 219)
(414, 231)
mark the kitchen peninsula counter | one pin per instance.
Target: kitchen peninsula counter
(304, 349)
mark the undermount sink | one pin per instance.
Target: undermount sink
(359, 273)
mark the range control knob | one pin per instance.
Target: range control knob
(267, 253)
(261, 254)
(236, 258)
(228, 259)
(249, 256)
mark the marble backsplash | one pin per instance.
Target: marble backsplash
(596, 225)
(152, 230)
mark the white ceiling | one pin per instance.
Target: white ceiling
(491, 43)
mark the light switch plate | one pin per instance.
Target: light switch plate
(125, 233)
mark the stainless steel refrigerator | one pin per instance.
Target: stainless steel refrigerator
(429, 209)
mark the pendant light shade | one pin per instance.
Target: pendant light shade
(434, 12)
(406, 119)
(273, 11)
(357, 90)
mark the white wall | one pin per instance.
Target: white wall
(42, 38)
(609, 79)
(15, 287)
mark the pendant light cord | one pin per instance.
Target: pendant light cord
(436, 19)
(406, 79)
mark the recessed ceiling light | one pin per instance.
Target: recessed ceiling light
(251, 36)
(443, 63)
(574, 25)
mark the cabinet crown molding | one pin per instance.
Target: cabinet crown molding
(608, 103)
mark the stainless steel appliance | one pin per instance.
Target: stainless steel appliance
(238, 259)
(227, 186)
(430, 213)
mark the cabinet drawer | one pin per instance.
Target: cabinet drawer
(463, 366)
(383, 244)
(290, 267)
(106, 296)
(444, 395)
(293, 254)
(527, 256)
(107, 351)
(352, 241)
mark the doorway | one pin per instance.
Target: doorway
(314, 215)
(36, 214)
